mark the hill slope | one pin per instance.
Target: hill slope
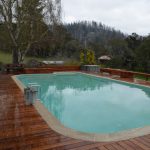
(92, 32)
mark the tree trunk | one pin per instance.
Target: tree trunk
(15, 56)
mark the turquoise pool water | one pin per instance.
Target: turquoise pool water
(92, 104)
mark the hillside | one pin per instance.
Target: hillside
(92, 32)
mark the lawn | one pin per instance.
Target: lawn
(6, 58)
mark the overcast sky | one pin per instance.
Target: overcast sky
(126, 15)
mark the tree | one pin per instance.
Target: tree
(143, 56)
(134, 41)
(26, 22)
(122, 56)
(92, 32)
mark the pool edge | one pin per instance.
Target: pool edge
(18, 82)
(55, 124)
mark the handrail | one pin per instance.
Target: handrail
(124, 73)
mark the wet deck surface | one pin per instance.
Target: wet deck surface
(21, 127)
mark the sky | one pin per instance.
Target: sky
(126, 15)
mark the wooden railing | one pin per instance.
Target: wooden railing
(51, 69)
(124, 73)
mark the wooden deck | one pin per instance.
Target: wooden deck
(21, 127)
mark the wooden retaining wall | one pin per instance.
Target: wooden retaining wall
(124, 73)
(50, 69)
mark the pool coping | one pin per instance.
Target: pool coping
(56, 125)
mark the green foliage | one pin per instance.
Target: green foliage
(82, 56)
(93, 33)
(142, 77)
(131, 52)
(93, 60)
(116, 62)
(72, 62)
(6, 58)
(90, 57)
(87, 57)
(28, 23)
(143, 56)
(134, 41)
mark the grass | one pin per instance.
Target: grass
(142, 78)
(6, 58)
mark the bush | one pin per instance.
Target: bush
(87, 57)
(82, 60)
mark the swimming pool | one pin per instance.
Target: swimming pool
(93, 105)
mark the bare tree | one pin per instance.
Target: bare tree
(27, 22)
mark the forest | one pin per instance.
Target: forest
(38, 34)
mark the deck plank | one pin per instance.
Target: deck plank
(110, 147)
(140, 144)
(123, 144)
(22, 128)
(102, 148)
(118, 147)
(136, 147)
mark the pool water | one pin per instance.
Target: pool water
(92, 104)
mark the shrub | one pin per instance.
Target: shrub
(82, 58)
(87, 57)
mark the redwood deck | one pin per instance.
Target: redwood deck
(21, 127)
